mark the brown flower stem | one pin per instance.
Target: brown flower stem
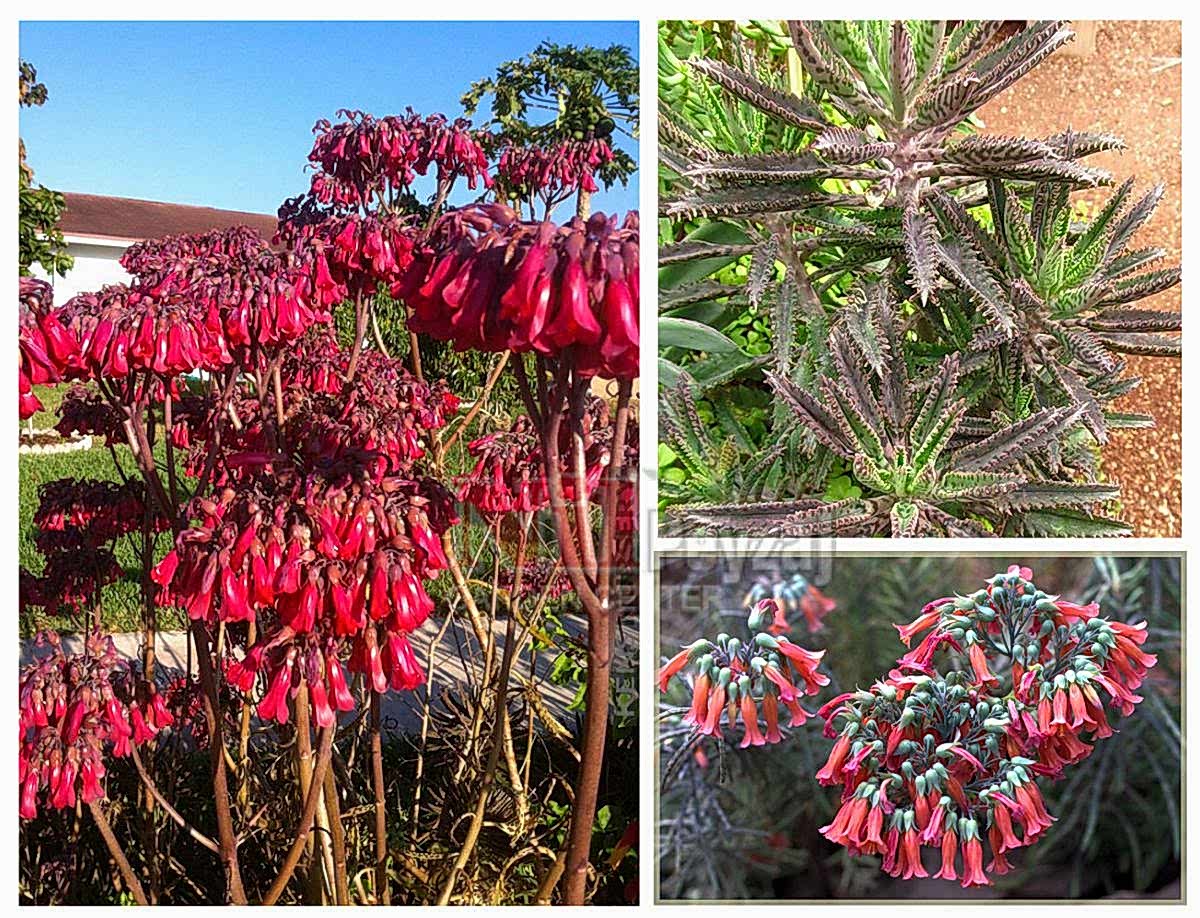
(612, 486)
(220, 778)
(489, 775)
(168, 425)
(304, 770)
(277, 391)
(552, 465)
(426, 707)
(383, 893)
(377, 335)
(304, 826)
(489, 384)
(595, 728)
(360, 331)
(244, 733)
(157, 794)
(118, 855)
(583, 522)
(550, 880)
(333, 806)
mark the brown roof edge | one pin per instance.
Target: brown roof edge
(131, 218)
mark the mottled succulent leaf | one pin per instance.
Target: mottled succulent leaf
(798, 518)
(752, 201)
(920, 245)
(700, 292)
(850, 147)
(996, 150)
(905, 520)
(1008, 446)
(1085, 400)
(1134, 219)
(768, 168)
(767, 99)
(975, 485)
(762, 269)
(1065, 523)
(1141, 286)
(1147, 345)
(1037, 495)
(1136, 320)
(967, 269)
(686, 251)
(813, 415)
(1074, 144)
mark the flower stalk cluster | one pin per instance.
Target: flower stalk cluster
(950, 757)
(757, 681)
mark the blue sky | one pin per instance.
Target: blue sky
(221, 114)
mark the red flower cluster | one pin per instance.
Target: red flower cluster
(198, 302)
(487, 281)
(46, 350)
(74, 573)
(244, 294)
(350, 255)
(361, 157)
(97, 510)
(796, 594)
(552, 172)
(77, 522)
(732, 679)
(325, 570)
(510, 474)
(70, 711)
(383, 420)
(951, 761)
(84, 410)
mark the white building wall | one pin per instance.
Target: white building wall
(96, 264)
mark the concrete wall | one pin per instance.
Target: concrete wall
(95, 265)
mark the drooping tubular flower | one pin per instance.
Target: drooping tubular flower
(950, 759)
(46, 349)
(71, 715)
(487, 281)
(759, 681)
(346, 255)
(509, 473)
(553, 173)
(362, 160)
(341, 564)
(795, 594)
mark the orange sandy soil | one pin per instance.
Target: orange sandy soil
(1115, 88)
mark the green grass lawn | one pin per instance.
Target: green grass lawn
(120, 601)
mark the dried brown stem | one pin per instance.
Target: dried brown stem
(118, 855)
(304, 826)
(383, 893)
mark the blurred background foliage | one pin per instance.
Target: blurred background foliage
(743, 824)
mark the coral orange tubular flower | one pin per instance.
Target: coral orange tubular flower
(750, 680)
(972, 740)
